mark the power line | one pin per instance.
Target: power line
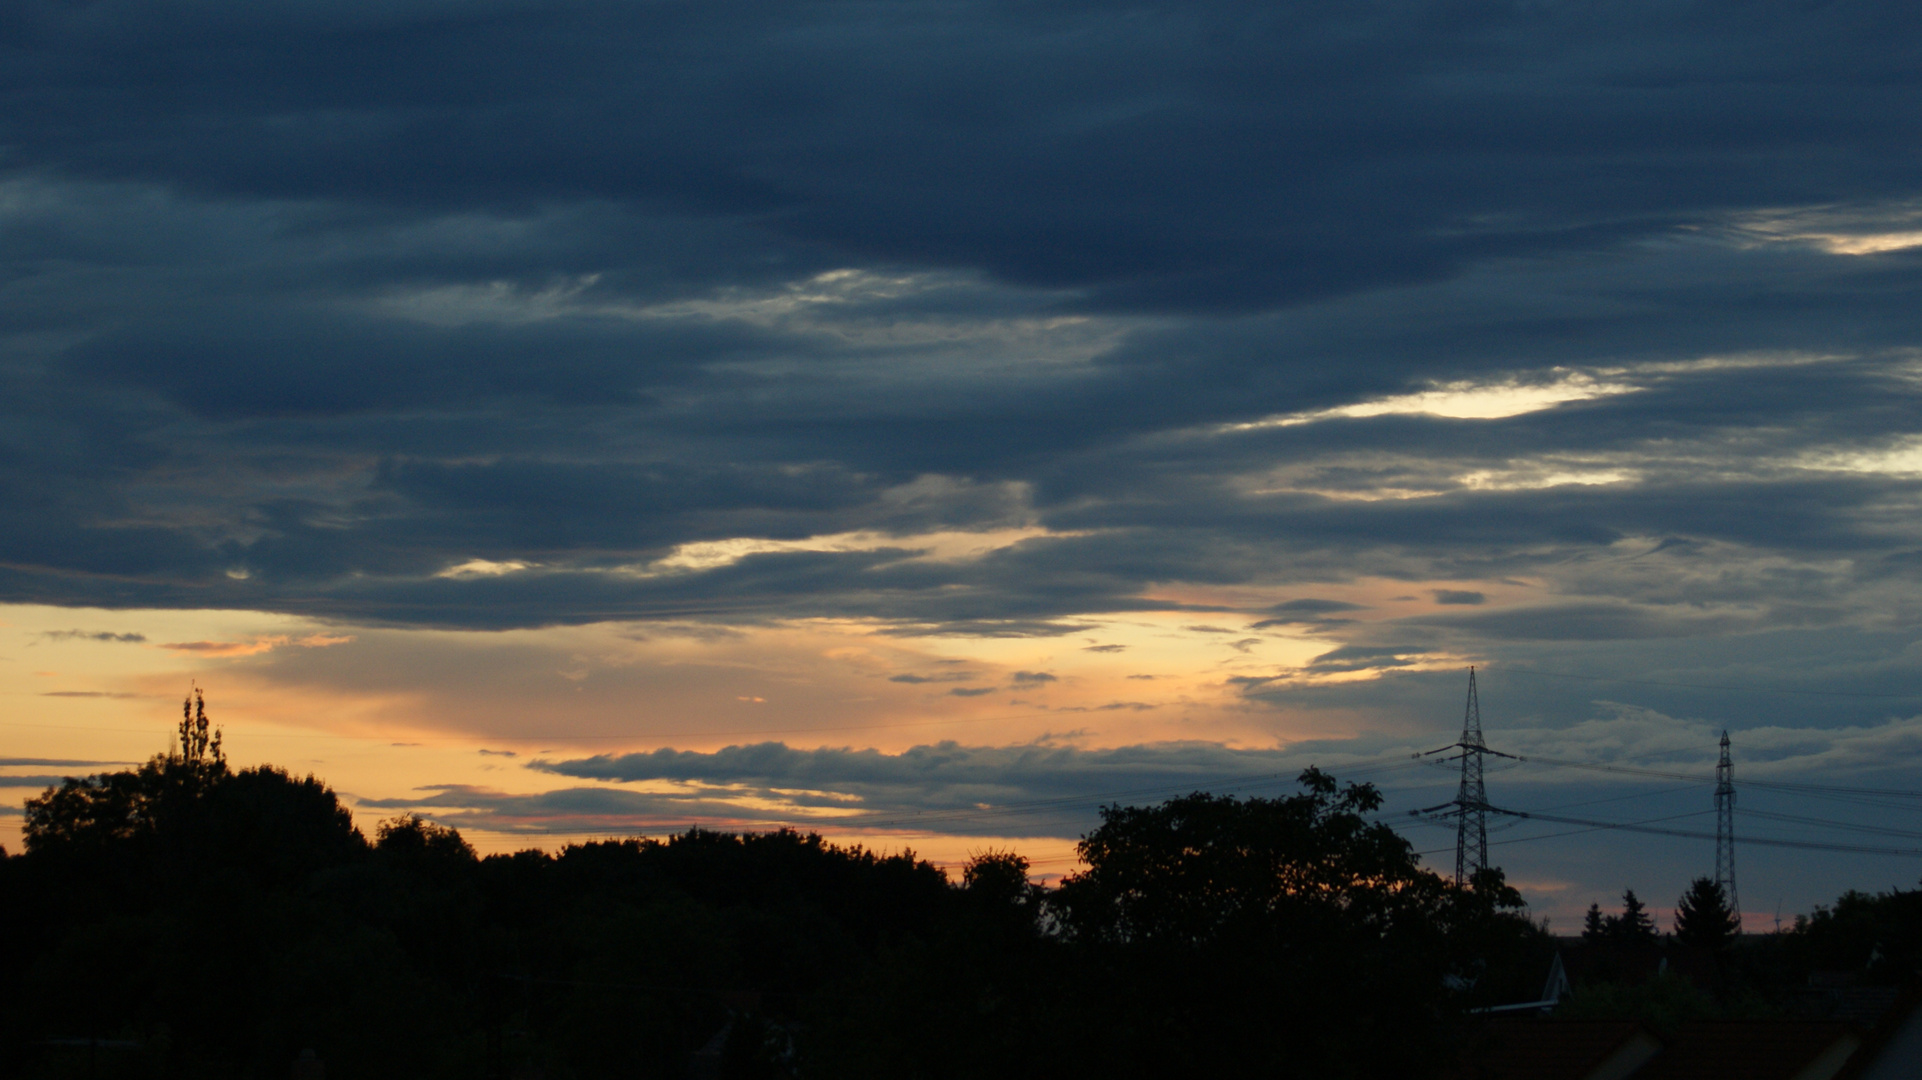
(1677, 789)
(1797, 819)
(1807, 845)
(1782, 785)
(1570, 832)
(1872, 802)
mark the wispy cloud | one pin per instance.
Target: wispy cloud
(88, 694)
(92, 635)
(31, 762)
(256, 646)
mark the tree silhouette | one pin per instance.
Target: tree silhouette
(1271, 935)
(93, 812)
(244, 918)
(1001, 874)
(1596, 927)
(997, 884)
(413, 838)
(1197, 869)
(1635, 927)
(1702, 916)
(197, 743)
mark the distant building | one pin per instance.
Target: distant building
(1527, 1048)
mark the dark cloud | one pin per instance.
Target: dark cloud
(1310, 606)
(1808, 679)
(601, 811)
(91, 635)
(572, 291)
(962, 691)
(1306, 612)
(1363, 658)
(945, 787)
(1033, 677)
(26, 780)
(1192, 155)
(1589, 622)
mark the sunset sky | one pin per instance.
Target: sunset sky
(926, 422)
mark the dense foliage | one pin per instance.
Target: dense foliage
(1274, 936)
(213, 922)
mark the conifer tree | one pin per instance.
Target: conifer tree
(1702, 915)
(1594, 926)
(1634, 926)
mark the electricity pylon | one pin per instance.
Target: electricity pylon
(1470, 807)
(1471, 798)
(1725, 828)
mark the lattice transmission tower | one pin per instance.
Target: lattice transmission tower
(1469, 807)
(1725, 827)
(1471, 798)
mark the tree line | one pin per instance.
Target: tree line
(197, 920)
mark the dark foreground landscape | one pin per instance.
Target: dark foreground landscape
(188, 920)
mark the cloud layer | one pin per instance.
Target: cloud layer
(1359, 342)
(1045, 790)
(312, 306)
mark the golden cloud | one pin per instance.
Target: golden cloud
(257, 645)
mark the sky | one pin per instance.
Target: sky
(926, 422)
